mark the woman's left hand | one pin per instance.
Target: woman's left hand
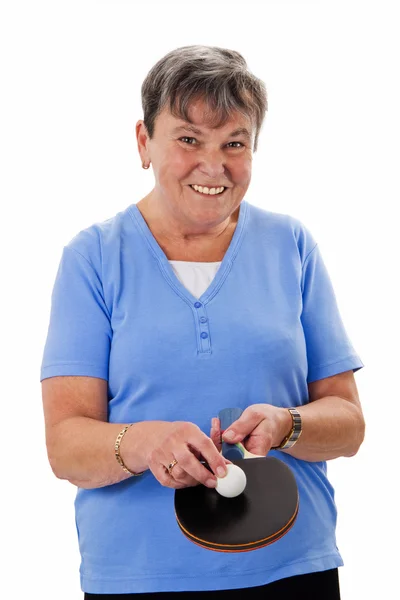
(260, 428)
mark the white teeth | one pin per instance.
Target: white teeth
(206, 190)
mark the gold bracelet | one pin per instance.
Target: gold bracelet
(117, 454)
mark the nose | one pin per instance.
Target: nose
(212, 165)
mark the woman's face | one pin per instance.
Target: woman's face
(207, 157)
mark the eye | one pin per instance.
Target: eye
(191, 138)
(187, 138)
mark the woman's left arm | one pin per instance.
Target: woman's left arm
(332, 422)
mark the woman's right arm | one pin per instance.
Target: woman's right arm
(80, 441)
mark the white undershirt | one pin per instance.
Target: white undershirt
(195, 276)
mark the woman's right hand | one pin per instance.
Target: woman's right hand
(185, 442)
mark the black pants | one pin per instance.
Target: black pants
(323, 585)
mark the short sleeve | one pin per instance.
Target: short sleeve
(79, 334)
(329, 350)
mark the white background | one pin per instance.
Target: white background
(328, 154)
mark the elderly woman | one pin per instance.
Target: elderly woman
(189, 301)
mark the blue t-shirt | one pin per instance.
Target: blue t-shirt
(267, 325)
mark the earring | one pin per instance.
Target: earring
(144, 167)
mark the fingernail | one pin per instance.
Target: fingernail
(221, 472)
(211, 483)
(214, 423)
(229, 435)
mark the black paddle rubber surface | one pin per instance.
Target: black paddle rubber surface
(262, 514)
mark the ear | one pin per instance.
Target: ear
(142, 137)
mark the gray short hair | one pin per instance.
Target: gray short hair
(218, 76)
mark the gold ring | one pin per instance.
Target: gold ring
(171, 465)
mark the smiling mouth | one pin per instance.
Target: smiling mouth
(208, 195)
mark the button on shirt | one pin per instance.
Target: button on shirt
(180, 343)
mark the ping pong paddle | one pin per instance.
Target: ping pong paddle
(260, 515)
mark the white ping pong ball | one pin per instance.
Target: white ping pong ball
(233, 483)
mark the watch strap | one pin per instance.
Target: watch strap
(294, 433)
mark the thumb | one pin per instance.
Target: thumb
(240, 428)
(234, 433)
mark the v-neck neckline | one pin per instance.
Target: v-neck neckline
(167, 269)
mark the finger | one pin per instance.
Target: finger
(215, 434)
(182, 478)
(216, 462)
(243, 426)
(213, 458)
(161, 474)
(176, 479)
(158, 462)
(259, 442)
(191, 468)
(217, 437)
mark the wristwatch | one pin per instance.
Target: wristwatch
(294, 433)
